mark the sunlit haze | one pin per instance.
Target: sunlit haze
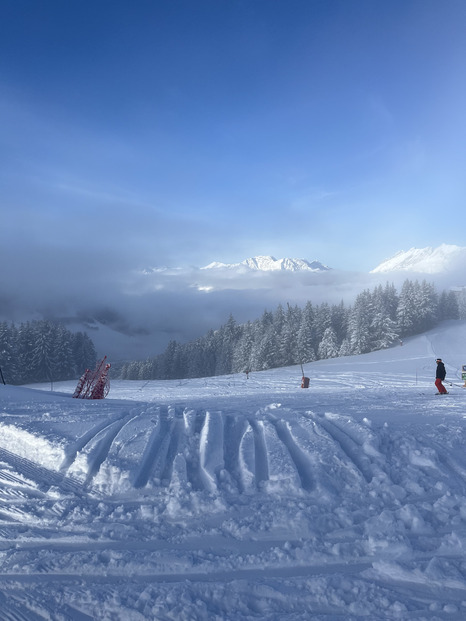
(138, 135)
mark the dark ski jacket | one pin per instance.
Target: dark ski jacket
(440, 371)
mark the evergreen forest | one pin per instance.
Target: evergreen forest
(287, 336)
(43, 351)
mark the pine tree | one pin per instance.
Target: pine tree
(305, 344)
(289, 338)
(406, 310)
(322, 321)
(360, 333)
(427, 306)
(383, 328)
(390, 300)
(280, 335)
(267, 352)
(132, 371)
(24, 350)
(448, 306)
(461, 297)
(63, 357)
(83, 353)
(339, 321)
(43, 357)
(264, 350)
(328, 347)
(209, 357)
(243, 350)
(7, 351)
(384, 331)
(345, 348)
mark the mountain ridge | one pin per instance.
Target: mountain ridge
(268, 263)
(428, 260)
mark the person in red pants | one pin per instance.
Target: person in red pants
(439, 377)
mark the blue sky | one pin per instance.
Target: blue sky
(180, 132)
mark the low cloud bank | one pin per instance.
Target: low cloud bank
(135, 316)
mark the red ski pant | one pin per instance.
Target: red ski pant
(440, 387)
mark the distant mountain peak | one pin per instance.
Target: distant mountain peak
(424, 260)
(268, 263)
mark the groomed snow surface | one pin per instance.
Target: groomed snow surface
(232, 498)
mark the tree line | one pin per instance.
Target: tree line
(294, 335)
(43, 351)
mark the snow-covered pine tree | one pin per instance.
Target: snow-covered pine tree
(322, 321)
(24, 346)
(305, 343)
(289, 338)
(83, 351)
(192, 358)
(406, 310)
(345, 348)
(359, 325)
(384, 329)
(328, 347)
(448, 305)
(7, 351)
(132, 370)
(427, 306)
(169, 361)
(63, 356)
(390, 300)
(339, 317)
(243, 350)
(43, 353)
(227, 338)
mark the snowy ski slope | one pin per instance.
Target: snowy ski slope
(234, 498)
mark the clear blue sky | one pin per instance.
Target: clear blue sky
(179, 132)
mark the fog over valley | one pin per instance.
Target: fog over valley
(136, 314)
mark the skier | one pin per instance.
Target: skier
(439, 377)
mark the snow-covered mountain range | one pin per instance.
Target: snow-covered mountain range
(268, 263)
(424, 260)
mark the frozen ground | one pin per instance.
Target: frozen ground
(233, 498)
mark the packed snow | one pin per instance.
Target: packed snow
(231, 498)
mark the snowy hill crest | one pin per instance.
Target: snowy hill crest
(424, 260)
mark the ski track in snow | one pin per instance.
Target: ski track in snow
(223, 498)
